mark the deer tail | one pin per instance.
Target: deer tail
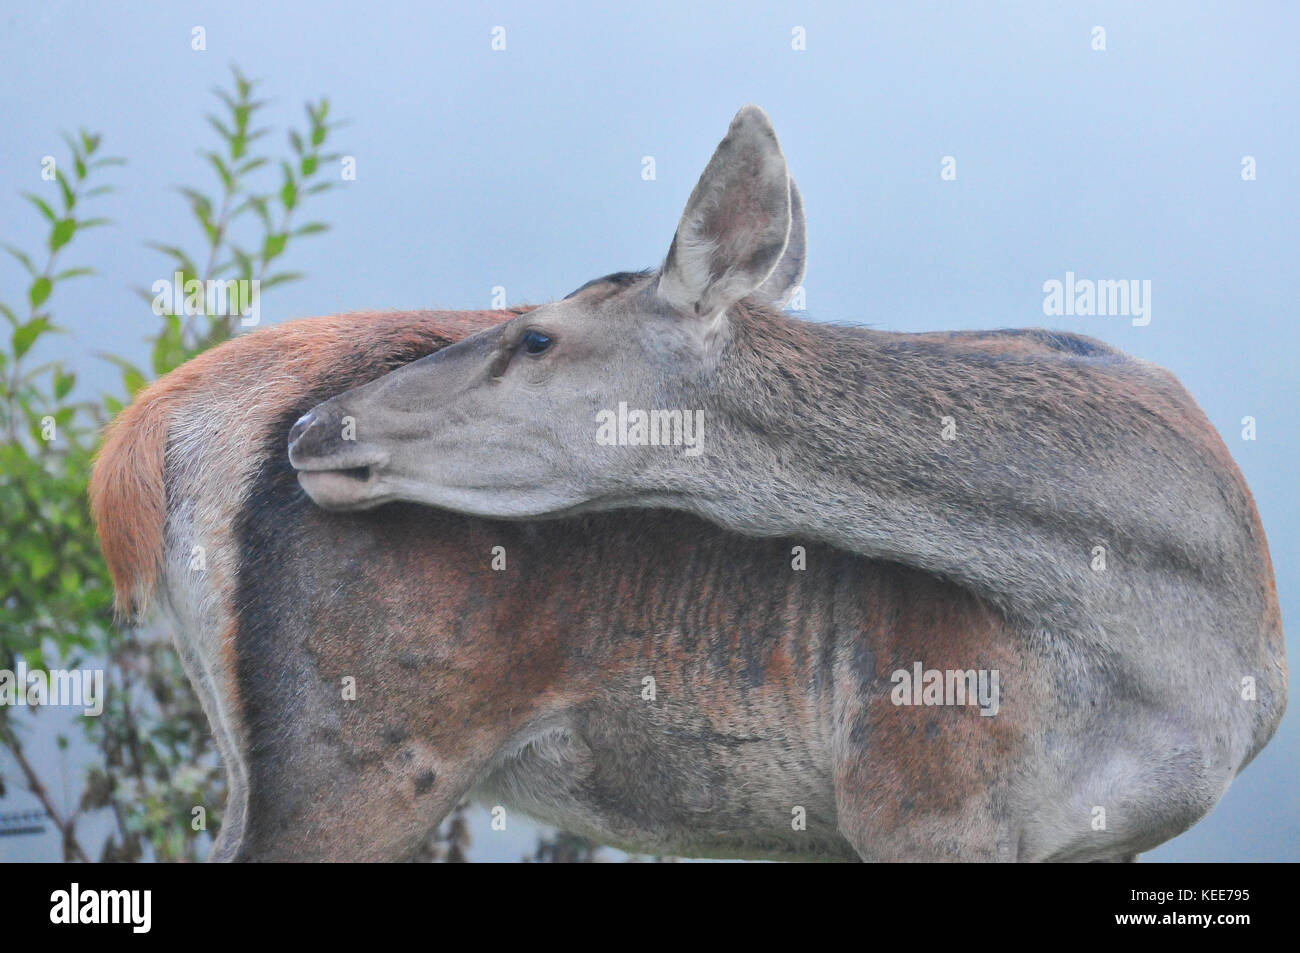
(128, 498)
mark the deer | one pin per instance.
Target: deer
(650, 681)
(1077, 494)
(766, 729)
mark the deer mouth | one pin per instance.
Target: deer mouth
(354, 473)
(342, 488)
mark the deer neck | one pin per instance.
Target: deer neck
(896, 448)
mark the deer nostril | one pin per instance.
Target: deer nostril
(303, 424)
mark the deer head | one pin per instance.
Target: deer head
(583, 402)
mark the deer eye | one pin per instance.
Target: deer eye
(534, 341)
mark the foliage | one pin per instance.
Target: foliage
(565, 848)
(154, 757)
(450, 844)
(227, 252)
(56, 596)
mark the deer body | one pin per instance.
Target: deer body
(526, 687)
(1079, 493)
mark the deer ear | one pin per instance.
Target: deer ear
(736, 223)
(780, 285)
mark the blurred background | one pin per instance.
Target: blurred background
(952, 161)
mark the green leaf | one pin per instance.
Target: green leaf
(40, 291)
(126, 366)
(311, 228)
(134, 381)
(69, 197)
(22, 258)
(244, 259)
(308, 165)
(25, 335)
(279, 279)
(198, 200)
(182, 259)
(258, 204)
(243, 85)
(41, 562)
(73, 273)
(63, 231)
(227, 178)
(289, 191)
(42, 205)
(273, 246)
(168, 349)
(218, 125)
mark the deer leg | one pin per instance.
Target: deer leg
(358, 767)
(327, 807)
(937, 707)
(913, 792)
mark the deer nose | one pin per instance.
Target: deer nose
(314, 437)
(301, 426)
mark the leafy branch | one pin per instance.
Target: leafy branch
(245, 192)
(18, 394)
(154, 756)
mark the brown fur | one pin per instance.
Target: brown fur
(774, 684)
(127, 491)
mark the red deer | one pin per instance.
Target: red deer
(769, 725)
(1077, 494)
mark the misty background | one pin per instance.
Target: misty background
(522, 168)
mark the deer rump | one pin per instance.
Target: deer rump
(642, 678)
